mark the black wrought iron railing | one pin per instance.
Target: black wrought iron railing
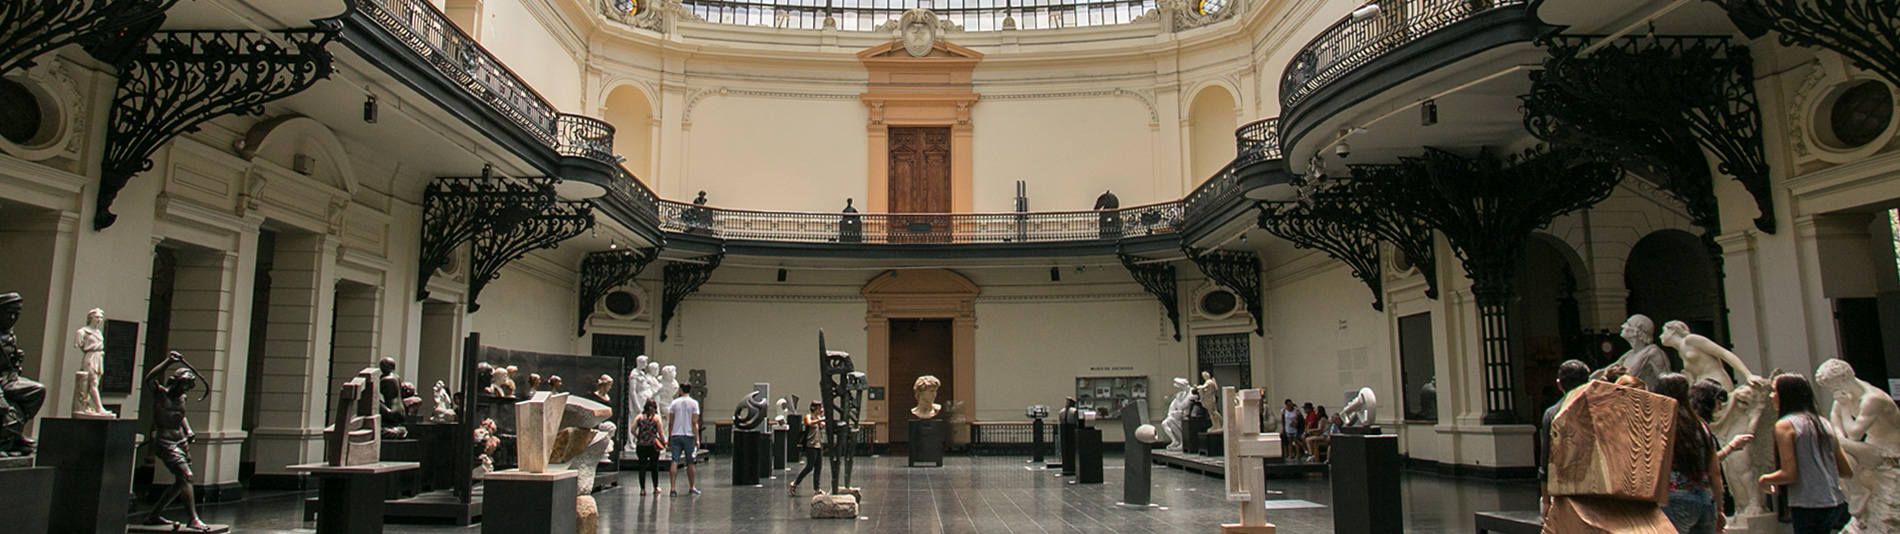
(1257, 141)
(585, 137)
(1217, 191)
(920, 228)
(635, 193)
(1354, 42)
(429, 33)
(971, 15)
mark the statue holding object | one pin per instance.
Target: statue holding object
(91, 342)
(170, 381)
(20, 397)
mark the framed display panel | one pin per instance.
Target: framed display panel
(1105, 394)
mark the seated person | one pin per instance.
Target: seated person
(1317, 435)
(1322, 445)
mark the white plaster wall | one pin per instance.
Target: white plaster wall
(1324, 340)
(1068, 149)
(515, 33)
(1030, 351)
(742, 340)
(778, 154)
(529, 309)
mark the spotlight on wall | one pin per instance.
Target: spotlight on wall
(1343, 150)
(1365, 12)
(781, 274)
(369, 109)
(1055, 275)
(1428, 113)
(612, 244)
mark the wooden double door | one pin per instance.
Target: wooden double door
(919, 181)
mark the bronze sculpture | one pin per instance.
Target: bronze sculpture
(20, 397)
(171, 438)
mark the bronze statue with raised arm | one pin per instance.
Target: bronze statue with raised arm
(171, 438)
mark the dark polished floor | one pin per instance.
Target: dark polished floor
(987, 494)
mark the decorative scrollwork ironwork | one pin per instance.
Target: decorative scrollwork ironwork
(1672, 94)
(684, 278)
(457, 210)
(181, 79)
(1158, 278)
(1354, 42)
(489, 252)
(1316, 226)
(602, 271)
(1257, 141)
(584, 137)
(1237, 270)
(31, 28)
(1866, 31)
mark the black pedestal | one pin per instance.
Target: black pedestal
(1088, 455)
(403, 484)
(722, 439)
(351, 498)
(745, 467)
(1196, 435)
(28, 496)
(781, 447)
(438, 449)
(1136, 471)
(1365, 477)
(537, 503)
(795, 450)
(926, 442)
(762, 457)
(1036, 440)
(1212, 443)
(92, 459)
(1065, 440)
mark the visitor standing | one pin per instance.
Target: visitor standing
(683, 440)
(1571, 374)
(814, 448)
(1695, 473)
(1290, 420)
(647, 445)
(1812, 464)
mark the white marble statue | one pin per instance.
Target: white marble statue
(1363, 410)
(1702, 357)
(1868, 424)
(637, 394)
(444, 407)
(1748, 412)
(926, 390)
(1210, 400)
(1176, 422)
(91, 342)
(1645, 360)
(669, 388)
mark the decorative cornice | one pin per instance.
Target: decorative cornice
(1144, 96)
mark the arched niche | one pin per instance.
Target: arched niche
(631, 112)
(896, 296)
(295, 159)
(1546, 317)
(1211, 125)
(1671, 277)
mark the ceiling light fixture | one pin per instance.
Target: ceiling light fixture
(1428, 113)
(369, 109)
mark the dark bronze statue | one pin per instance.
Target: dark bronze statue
(389, 398)
(171, 438)
(20, 397)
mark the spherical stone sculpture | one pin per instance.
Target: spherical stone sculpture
(1146, 434)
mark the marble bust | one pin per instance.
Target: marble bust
(1645, 359)
(926, 389)
(604, 388)
(91, 342)
(1703, 357)
(1362, 410)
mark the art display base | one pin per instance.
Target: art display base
(1088, 456)
(92, 462)
(1237, 529)
(169, 529)
(763, 457)
(538, 503)
(404, 484)
(28, 494)
(1366, 497)
(781, 447)
(834, 507)
(745, 465)
(351, 497)
(1065, 441)
(926, 442)
(1372, 430)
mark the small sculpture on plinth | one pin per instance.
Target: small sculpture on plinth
(444, 405)
(779, 417)
(171, 438)
(501, 382)
(91, 342)
(926, 390)
(1176, 422)
(20, 397)
(1702, 357)
(411, 403)
(389, 400)
(1209, 391)
(749, 416)
(1870, 423)
(1645, 359)
(356, 435)
(604, 388)
(1361, 411)
(537, 421)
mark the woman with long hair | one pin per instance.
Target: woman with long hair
(814, 448)
(647, 445)
(1316, 434)
(1812, 464)
(1695, 476)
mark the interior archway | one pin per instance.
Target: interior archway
(1211, 132)
(1546, 321)
(1670, 277)
(904, 297)
(632, 116)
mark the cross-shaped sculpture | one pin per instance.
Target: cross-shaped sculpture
(1246, 448)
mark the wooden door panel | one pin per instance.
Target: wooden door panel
(919, 183)
(918, 347)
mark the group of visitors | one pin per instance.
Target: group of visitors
(682, 441)
(1306, 432)
(1811, 461)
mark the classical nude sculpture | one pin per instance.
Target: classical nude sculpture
(1210, 401)
(1644, 360)
(669, 383)
(171, 438)
(1362, 410)
(926, 390)
(91, 342)
(1701, 356)
(1748, 412)
(1176, 422)
(1869, 424)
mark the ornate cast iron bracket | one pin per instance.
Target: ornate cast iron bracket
(1239, 271)
(684, 278)
(1157, 277)
(457, 210)
(602, 271)
(491, 251)
(1487, 208)
(1673, 95)
(1866, 31)
(181, 79)
(31, 28)
(1342, 238)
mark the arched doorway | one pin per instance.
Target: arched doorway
(1546, 322)
(1670, 277)
(909, 315)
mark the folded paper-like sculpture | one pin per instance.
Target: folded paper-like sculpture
(1612, 441)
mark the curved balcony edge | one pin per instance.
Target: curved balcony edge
(1482, 31)
(703, 244)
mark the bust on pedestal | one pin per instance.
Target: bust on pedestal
(926, 432)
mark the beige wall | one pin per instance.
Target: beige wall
(1068, 149)
(776, 153)
(528, 38)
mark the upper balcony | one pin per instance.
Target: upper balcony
(966, 15)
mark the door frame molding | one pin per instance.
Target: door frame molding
(934, 90)
(920, 294)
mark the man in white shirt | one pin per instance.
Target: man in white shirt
(683, 439)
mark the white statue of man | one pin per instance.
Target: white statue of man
(1176, 422)
(91, 342)
(1869, 424)
(636, 395)
(1210, 400)
(669, 388)
(1362, 410)
(1702, 357)
(1644, 360)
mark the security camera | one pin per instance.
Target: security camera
(1365, 12)
(1343, 150)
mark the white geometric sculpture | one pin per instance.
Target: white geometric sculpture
(1362, 409)
(1246, 449)
(537, 420)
